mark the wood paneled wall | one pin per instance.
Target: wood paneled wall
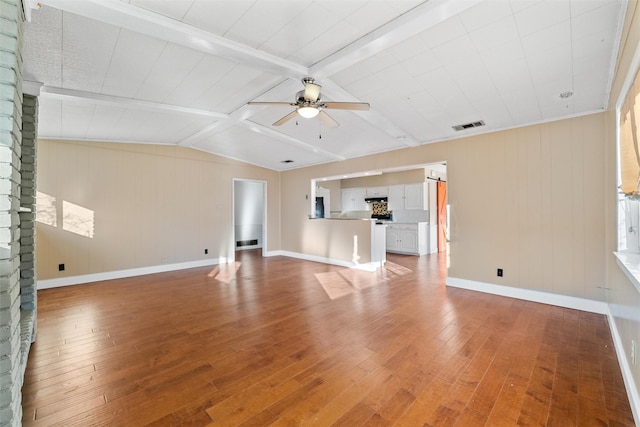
(528, 200)
(152, 205)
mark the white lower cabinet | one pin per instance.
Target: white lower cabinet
(408, 238)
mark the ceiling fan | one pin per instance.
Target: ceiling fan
(309, 104)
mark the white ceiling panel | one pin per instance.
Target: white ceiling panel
(599, 19)
(255, 148)
(86, 59)
(541, 41)
(485, 14)
(216, 17)
(174, 65)
(446, 31)
(455, 50)
(542, 15)
(297, 33)
(422, 62)
(234, 89)
(171, 9)
(182, 71)
(489, 36)
(205, 74)
(264, 20)
(324, 45)
(43, 53)
(132, 61)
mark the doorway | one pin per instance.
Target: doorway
(249, 214)
(442, 215)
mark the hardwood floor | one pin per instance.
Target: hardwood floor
(262, 342)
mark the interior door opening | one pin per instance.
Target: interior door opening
(249, 213)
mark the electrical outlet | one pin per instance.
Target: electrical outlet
(499, 272)
(633, 352)
(60, 267)
(206, 251)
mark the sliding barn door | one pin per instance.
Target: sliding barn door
(442, 216)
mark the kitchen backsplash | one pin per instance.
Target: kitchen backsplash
(410, 216)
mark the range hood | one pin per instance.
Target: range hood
(375, 199)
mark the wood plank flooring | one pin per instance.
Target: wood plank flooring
(269, 341)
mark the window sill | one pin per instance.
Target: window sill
(630, 265)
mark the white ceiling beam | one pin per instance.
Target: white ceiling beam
(242, 113)
(409, 24)
(116, 101)
(121, 14)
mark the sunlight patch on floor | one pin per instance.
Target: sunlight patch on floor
(225, 272)
(334, 284)
(347, 281)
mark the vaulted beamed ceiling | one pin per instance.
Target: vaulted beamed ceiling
(181, 72)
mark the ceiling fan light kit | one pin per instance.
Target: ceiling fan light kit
(308, 112)
(309, 105)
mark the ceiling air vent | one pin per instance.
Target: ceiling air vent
(468, 125)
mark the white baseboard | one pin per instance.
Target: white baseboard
(627, 375)
(567, 302)
(531, 295)
(119, 274)
(370, 266)
(272, 253)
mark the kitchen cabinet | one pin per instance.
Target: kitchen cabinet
(377, 191)
(408, 196)
(414, 196)
(396, 197)
(408, 238)
(353, 199)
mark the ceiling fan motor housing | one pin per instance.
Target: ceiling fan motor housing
(300, 98)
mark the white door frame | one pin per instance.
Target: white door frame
(264, 212)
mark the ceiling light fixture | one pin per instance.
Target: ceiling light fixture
(308, 112)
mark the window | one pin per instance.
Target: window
(629, 158)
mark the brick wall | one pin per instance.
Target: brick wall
(14, 328)
(28, 294)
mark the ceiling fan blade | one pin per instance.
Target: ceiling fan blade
(311, 91)
(269, 103)
(286, 118)
(363, 106)
(327, 120)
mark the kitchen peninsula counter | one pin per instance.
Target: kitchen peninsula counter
(352, 242)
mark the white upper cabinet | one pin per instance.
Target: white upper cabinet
(353, 199)
(408, 196)
(377, 191)
(396, 197)
(415, 196)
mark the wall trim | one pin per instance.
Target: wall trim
(575, 303)
(120, 274)
(627, 375)
(531, 295)
(370, 266)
